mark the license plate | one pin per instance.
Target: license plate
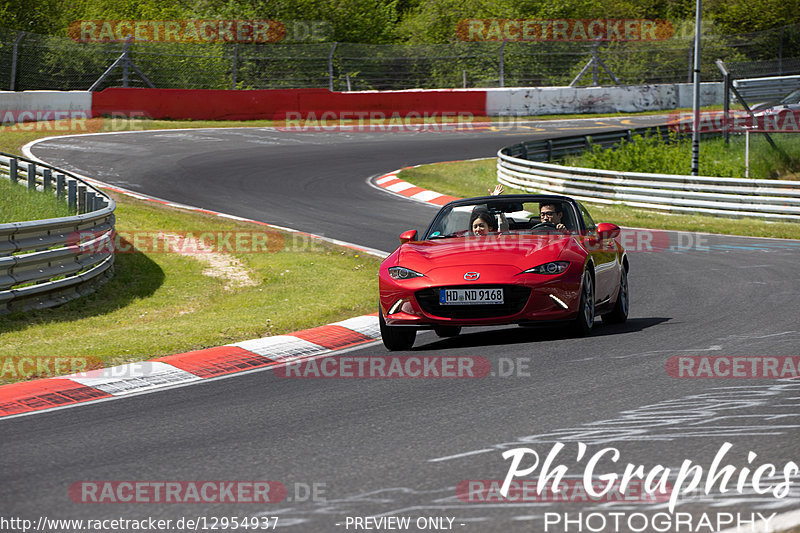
(470, 296)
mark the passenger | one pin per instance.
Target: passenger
(481, 222)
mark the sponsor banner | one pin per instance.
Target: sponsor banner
(387, 367)
(735, 367)
(204, 492)
(570, 490)
(19, 367)
(779, 120)
(527, 30)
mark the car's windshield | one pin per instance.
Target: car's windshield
(504, 215)
(791, 98)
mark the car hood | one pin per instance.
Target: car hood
(518, 251)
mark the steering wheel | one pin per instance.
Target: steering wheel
(544, 226)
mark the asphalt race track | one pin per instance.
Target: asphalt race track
(400, 447)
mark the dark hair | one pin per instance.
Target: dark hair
(556, 206)
(483, 214)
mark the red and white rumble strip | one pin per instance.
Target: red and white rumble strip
(42, 394)
(390, 182)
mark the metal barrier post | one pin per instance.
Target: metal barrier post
(60, 185)
(47, 179)
(31, 177)
(13, 170)
(330, 67)
(81, 199)
(14, 54)
(72, 195)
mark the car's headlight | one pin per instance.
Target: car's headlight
(556, 267)
(403, 273)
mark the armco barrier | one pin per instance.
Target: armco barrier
(524, 166)
(44, 263)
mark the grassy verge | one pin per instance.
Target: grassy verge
(159, 303)
(17, 203)
(652, 154)
(473, 178)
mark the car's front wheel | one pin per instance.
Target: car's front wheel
(396, 337)
(585, 319)
(619, 313)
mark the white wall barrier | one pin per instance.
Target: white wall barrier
(22, 106)
(625, 99)
(29, 106)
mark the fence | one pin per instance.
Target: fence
(40, 62)
(523, 166)
(48, 262)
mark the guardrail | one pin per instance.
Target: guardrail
(48, 262)
(526, 166)
(770, 89)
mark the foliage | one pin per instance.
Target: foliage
(652, 154)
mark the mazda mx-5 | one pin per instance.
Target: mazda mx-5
(516, 259)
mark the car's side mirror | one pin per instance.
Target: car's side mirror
(410, 235)
(607, 231)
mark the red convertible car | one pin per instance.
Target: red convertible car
(515, 259)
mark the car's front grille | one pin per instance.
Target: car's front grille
(514, 299)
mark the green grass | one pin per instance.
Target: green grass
(163, 303)
(18, 204)
(473, 178)
(651, 154)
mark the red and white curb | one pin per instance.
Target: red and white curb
(391, 183)
(29, 397)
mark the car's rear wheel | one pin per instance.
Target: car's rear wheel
(585, 319)
(619, 313)
(396, 337)
(447, 331)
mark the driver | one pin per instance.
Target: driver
(552, 213)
